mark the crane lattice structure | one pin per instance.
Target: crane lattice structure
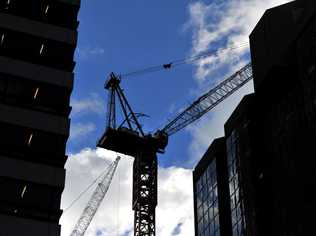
(143, 147)
(208, 101)
(95, 201)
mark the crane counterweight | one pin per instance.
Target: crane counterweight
(129, 142)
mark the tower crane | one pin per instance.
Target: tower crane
(132, 141)
(95, 201)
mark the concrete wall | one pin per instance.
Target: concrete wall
(33, 172)
(11, 225)
(21, 24)
(26, 70)
(34, 119)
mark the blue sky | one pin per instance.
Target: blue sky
(122, 36)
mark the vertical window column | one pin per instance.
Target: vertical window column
(207, 202)
(236, 199)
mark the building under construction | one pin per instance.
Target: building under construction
(270, 135)
(37, 43)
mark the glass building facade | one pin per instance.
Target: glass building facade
(207, 202)
(236, 196)
(269, 137)
(211, 192)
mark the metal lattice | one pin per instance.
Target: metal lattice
(145, 193)
(209, 100)
(95, 201)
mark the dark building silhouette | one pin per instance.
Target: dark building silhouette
(37, 43)
(241, 143)
(211, 192)
(270, 136)
(283, 59)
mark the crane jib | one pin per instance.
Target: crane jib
(209, 100)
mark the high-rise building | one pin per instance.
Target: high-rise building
(270, 135)
(241, 143)
(37, 43)
(211, 192)
(283, 60)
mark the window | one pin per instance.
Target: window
(2, 39)
(207, 202)
(237, 209)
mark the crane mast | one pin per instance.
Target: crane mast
(128, 138)
(95, 201)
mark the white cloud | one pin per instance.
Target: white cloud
(91, 104)
(81, 129)
(220, 24)
(224, 24)
(175, 197)
(212, 126)
(175, 202)
(86, 52)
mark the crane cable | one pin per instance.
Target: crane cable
(182, 61)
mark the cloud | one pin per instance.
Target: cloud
(175, 198)
(78, 130)
(212, 125)
(221, 25)
(86, 52)
(91, 104)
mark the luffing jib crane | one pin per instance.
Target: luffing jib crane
(95, 201)
(132, 141)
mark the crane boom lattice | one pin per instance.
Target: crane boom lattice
(209, 100)
(95, 201)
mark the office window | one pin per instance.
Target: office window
(207, 202)
(236, 201)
